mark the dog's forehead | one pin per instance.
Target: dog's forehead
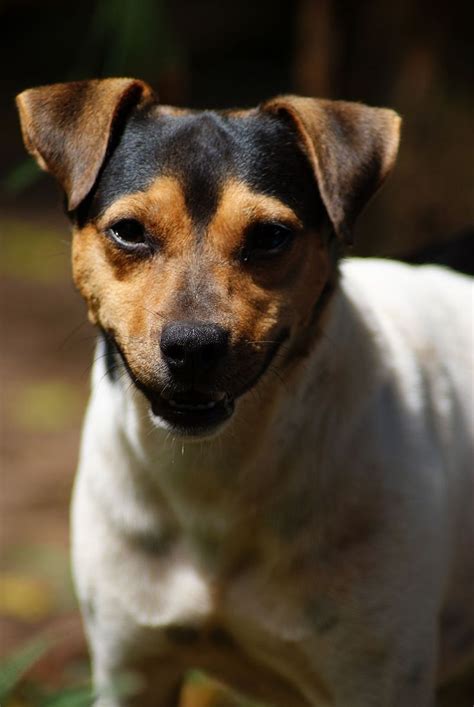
(203, 150)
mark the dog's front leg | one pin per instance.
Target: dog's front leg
(374, 686)
(145, 687)
(399, 671)
(144, 678)
(133, 664)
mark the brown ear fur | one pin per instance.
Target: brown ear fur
(67, 126)
(351, 146)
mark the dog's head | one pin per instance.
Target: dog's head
(204, 241)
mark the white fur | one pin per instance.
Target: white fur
(352, 482)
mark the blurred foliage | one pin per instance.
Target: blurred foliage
(127, 38)
(19, 690)
(33, 251)
(21, 177)
(46, 405)
(24, 597)
(15, 666)
(199, 690)
(35, 582)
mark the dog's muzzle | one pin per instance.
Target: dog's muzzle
(192, 352)
(198, 392)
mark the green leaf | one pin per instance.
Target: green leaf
(125, 685)
(74, 697)
(16, 665)
(22, 176)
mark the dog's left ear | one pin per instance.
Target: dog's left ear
(352, 149)
(67, 127)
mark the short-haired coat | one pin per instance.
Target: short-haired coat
(276, 474)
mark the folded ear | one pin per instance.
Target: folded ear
(67, 127)
(352, 149)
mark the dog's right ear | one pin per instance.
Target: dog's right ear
(67, 127)
(352, 148)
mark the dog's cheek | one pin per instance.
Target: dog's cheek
(315, 273)
(84, 271)
(258, 316)
(260, 313)
(108, 284)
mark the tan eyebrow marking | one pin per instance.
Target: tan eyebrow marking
(162, 196)
(161, 208)
(239, 206)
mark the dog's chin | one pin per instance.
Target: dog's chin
(192, 414)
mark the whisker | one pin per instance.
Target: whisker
(154, 313)
(71, 334)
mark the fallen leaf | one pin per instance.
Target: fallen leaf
(25, 598)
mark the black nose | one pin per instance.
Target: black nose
(193, 348)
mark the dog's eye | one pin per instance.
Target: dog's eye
(128, 234)
(265, 240)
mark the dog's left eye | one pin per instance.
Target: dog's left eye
(128, 234)
(265, 240)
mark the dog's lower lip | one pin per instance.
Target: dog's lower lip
(192, 406)
(191, 401)
(192, 413)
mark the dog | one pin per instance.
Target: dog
(276, 473)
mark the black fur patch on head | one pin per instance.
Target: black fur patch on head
(202, 150)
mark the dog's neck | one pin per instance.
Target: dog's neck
(225, 480)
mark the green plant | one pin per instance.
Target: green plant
(16, 688)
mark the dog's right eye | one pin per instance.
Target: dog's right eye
(129, 234)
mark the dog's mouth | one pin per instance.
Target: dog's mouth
(191, 412)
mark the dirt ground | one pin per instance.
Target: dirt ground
(45, 355)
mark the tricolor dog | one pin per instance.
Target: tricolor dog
(276, 475)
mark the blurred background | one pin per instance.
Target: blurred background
(415, 56)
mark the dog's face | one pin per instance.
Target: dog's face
(200, 254)
(201, 238)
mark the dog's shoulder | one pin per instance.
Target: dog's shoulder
(428, 294)
(420, 320)
(386, 274)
